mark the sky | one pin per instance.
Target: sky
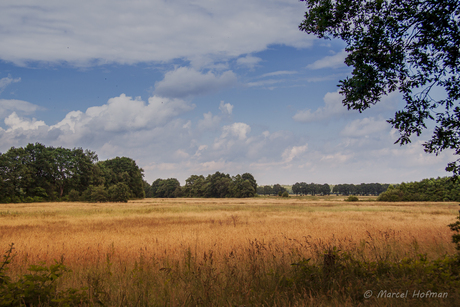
(193, 87)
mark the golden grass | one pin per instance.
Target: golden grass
(84, 233)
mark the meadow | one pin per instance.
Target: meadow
(264, 251)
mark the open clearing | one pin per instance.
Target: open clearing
(232, 252)
(82, 231)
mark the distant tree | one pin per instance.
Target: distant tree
(268, 190)
(325, 189)
(251, 179)
(195, 186)
(260, 190)
(296, 188)
(242, 187)
(123, 170)
(278, 188)
(165, 188)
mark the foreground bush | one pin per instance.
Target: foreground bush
(37, 288)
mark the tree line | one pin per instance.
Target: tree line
(277, 189)
(439, 189)
(302, 188)
(217, 185)
(39, 173)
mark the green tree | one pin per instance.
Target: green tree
(268, 190)
(123, 170)
(408, 46)
(119, 192)
(195, 186)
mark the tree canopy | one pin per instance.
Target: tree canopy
(408, 46)
(37, 173)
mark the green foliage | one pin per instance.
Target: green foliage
(217, 185)
(439, 189)
(119, 193)
(285, 194)
(123, 170)
(38, 173)
(39, 287)
(456, 236)
(352, 198)
(343, 274)
(99, 194)
(74, 195)
(408, 46)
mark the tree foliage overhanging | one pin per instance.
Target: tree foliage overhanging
(408, 46)
(40, 173)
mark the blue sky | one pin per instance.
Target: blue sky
(195, 87)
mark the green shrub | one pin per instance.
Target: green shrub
(99, 194)
(285, 194)
(39, 287)
(74, 195)
(352, 198)
(29, 199)
(40, 192)
(119, 192)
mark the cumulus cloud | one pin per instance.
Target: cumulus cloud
(333, 107)
(231, 135)
(4, 82)
(129, 32)
(124, 113)
(121, 123)
(334, 61)
(185, 81)
(14, 122)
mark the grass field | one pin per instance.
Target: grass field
(235, 252)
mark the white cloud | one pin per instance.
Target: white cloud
(263, 82)
(4, 82)
(238, 130)
(128, 32)
(365, 127)
(19, 106)
(233, 134)
(124, 113)
(226, 108)
(208, 122)
(16, 123)
(334, 61)
(333, 107)
(278, 73)
(184, 82)
(248, 61)
(290, 153)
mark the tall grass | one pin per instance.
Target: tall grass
(228, 252)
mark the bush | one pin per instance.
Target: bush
(74, 195)
(285, 194)
(29, 199)
(352, 198)
(99, 194)
(119, 192)
(39, 287)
